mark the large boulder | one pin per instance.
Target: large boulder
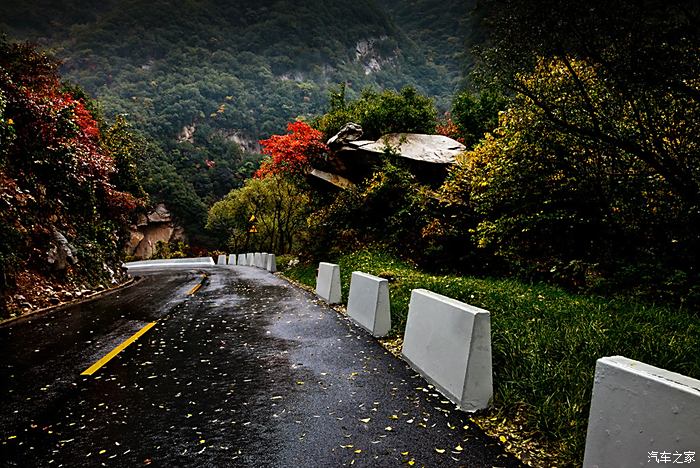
(350, 132)
(436, 149)
(354, 159)
(62, 253)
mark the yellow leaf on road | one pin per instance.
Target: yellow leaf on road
(502, 439)
(366, 420)
(439, 450)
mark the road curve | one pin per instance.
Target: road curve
(246, 371)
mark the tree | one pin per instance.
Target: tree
(279, 207)
(630, 72)
(381, 113)
(294, 152)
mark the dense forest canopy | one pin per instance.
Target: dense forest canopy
(206, 80)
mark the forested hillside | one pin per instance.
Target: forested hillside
(208, 79)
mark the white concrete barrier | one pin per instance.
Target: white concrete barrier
(641, 415)
(231, 259)
(170, 262)
(449, 343)
(263, 261)
(221, 260)
(271, 263)
(242, 259)
(368, 303)
(257, 260)
(328, 282)
(250, 259)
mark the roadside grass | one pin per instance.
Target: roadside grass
(545, 341)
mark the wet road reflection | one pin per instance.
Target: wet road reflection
(248, 371)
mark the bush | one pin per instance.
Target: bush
(381, 113)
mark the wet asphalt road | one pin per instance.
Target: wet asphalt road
(249, 371)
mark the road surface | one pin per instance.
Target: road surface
(248, 370)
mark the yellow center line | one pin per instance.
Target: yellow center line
(95, 367)
(197, 286)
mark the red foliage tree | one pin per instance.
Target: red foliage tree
(294, 152)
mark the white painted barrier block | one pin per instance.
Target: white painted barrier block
(257, 260)
(449, 343)
(251, 259)
(231, 259)
(368, 303)
(263, 263)
(171, 262)
(242, 259)
(638, 410)
(328, 282)
(221, 260)
(271, 263)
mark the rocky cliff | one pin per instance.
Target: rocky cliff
(157, 226)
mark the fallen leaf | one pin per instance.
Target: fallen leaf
(502, 439)
(366, 420)
(411, 462)
(459, 448)
(439, 450)
(404, 453)
(358, 451)
(388, 429)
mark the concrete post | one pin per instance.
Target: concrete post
(242, 260)
(641, 415)
(271, 263)
(368, 303)
(449, 343)
(221, 260)
(231, 259)
(257, 260)
(328, 282)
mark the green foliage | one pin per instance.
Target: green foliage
(545, 341)
(475, 115)
(556, 205)
(125, 148)
(381, 113)
(170, 250)
(390, 207)
(274, 206)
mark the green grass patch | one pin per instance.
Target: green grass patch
(545, 340)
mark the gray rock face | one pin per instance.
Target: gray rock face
(437, 149)
(350, 132)
(61, 253)
(158, 226)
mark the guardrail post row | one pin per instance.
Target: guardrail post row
(368, 303)
(328, 282)
(449, 343)
(640, 415)
(221, 260)
(257, 259)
